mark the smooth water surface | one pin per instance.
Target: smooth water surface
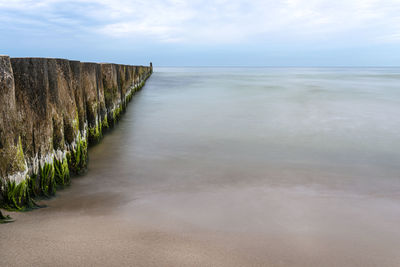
(234, 167)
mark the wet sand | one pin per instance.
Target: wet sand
(220, 225)
(165, 189)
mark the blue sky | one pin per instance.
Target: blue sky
(205, 33)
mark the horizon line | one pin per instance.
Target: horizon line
(249, 66)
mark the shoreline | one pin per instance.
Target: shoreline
(204, 171)
(52, 110)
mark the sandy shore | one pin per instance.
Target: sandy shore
(225, 226)
(222, 169)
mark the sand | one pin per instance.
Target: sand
(204, 171)
(235, 225)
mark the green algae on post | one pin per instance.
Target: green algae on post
(104, 123)
(46, 127)
(78, 156)
(16, 196)
(47, 179)
(61, 172)
(95, 134)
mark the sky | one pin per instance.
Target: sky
(205, 33)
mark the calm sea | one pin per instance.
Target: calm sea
(326, 126)
(235, 167)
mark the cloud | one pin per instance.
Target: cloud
(211, 22)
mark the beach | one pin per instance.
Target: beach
(233, 167)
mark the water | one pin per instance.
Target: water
(256, 120)
(235, 167)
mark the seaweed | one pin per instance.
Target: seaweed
(16, 196)
(95, 134)
(47, 179)
(19, 196)
(78, 157)
(104, 123)
(34, 185)
(117, 113)
(61, 172)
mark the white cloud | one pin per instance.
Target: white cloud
(220, 21)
